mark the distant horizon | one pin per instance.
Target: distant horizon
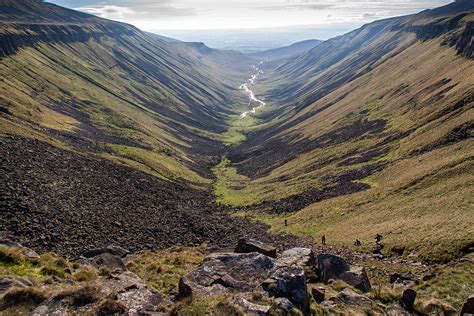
(165, 16)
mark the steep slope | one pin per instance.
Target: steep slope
(106, 130)
(287, 51)
(385, 111)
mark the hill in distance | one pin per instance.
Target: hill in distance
(114, 136)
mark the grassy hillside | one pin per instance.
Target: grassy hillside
(385, 113)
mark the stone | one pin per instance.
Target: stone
(139, 301)
(398, 250)
(408, 298)
(357, 277)
(284, 303)
(112, 249)
(241, 272)
(468, 307)
(108, 261)
(396, 310)
(331, 267)
(289, 282)
(251, 308)
(8, 283)
(27, 252)
(251, 245)
(297, 257)
(351, 298)
(318, 293)
(393, 277)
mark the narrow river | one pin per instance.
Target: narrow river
(254, 103)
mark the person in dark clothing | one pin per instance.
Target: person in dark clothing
(378, 238)
(357, 243)
(323, 240)
(286, 222)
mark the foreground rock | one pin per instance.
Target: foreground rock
(336, 268)
(227, 272)
(251, 245)
(288, 282)
(351, 298)
(468, 307)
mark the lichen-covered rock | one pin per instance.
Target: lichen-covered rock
(297, 257)
(251, 245)
(227, 272)
(351, 298)
(289, 282)
(331, 267)
(357, 277)
(108, 261)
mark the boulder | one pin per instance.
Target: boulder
(351, 298)
(331, 267)
(112, 249)
(468, 307)
(27, 252)
(297, 257)
(289, 282)
(318, 293)
(408, 298)
(251, 245)
(250, 308)
(357, 277)
(240, 272)
(139, 301)
(108, 261)
(284, 303)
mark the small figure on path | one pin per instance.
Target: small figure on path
(357, 243)
(323, 240)
(378, 238)
(286, 222)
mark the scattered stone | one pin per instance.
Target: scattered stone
(351, 298)
(408, 298)
(284, 303)
(251, 308)
(357, 277)
(113, 250)
(241, 272)
(396, 310)
(139, 301)
(468, 307)
(289, 282)
(318, 293)
(251, 245)
(331, 267)
(8, 283)
(108, 261)
(394, 277)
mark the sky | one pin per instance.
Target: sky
(159, 15)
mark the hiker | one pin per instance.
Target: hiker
(323, 240)
(286, 222)
(357, 243)
(378, 238)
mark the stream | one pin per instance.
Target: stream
(252, 99)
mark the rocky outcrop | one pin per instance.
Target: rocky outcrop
(288, 282)
(357, 277)
(251, 245)
(227, 272)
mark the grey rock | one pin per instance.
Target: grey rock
(357, 277)
(140, 301)
(7, 283)
(396, 310)
(251, 245)
(113, 250)
(468, 307)
(297, 256)
(351, 298)
(108, 261)
(227, 272)
(289, 282)
(331, 267)
(249, 307)
(284, 303)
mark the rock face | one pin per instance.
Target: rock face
(468, 307)
(357, 277)
(335, 267)
(331, 267)
(289, 282)
(227, 272)
(251, 245)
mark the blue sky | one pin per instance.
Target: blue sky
(231, 14)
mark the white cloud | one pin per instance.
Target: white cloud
(108, 11)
